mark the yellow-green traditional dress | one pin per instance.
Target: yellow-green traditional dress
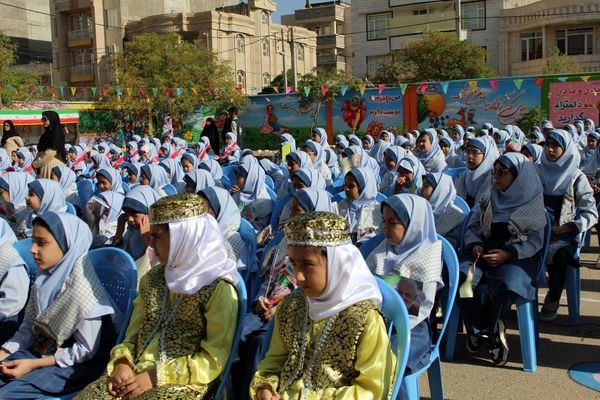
(185, 338)
(354, 361)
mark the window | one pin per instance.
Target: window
(300, 52)
(266, 79)
(374, 63)
(239, 44)
(264, 18)
(318, 31)
(473, 15)
(111, 18)
(573, 42)
(265, 48)
(531, 46)
(377, 26)
(423, 11)
(241, 79)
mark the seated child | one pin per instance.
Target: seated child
(329, 339)
(14, 285)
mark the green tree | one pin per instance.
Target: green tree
(435, 56)
(319, 77)
(152, 62)
(558, 63)
(16, 84)
(279, 82)
(533, 117)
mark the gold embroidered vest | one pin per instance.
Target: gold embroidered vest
(187, 326)
(334, 365)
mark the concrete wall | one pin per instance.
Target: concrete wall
(29, 30)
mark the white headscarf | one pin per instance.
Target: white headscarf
(475, 178)
(197, 255)
(443, 194)
(349, 281)
(557, 175)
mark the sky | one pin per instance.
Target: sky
(288, 7)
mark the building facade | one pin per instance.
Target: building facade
(27, 24)
(380, 28)
(85, 32)
(256, 49)
(332, 22)
(530, 30)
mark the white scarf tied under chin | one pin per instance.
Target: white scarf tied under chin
(349, 281)
(197, 256)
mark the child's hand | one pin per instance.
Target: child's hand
(137, 385)
(234, 189)
(400, 181)
(16, 368)
(478, 251)
(266, 394)
(3, 354)
(123, 373)
(496, 257)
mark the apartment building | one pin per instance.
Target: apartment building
(243, 35)
(381, 27)
(529, 30)
(332, 22)
(27, 24)
(86, 32)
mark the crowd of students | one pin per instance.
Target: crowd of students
(177, 210)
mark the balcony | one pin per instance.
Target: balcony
(331, 41)
(82, 73)
(586, 63)
(80, 38)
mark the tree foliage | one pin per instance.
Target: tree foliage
(152, 62)
(533, 117)
(435, 56)
(558, 63)
(16, 84)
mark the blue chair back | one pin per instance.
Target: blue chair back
(462, 233)
(118, 273)
(23, 247)
(242, 296)
(337, 185)
(276, 213)
(367, 247)
(462, 204)
(125, 187)
(71, 209)
(85, 189)
(285, 171)
(454, 172)
(452, 266)
(229, 172)
(394, 311)
(342, 195)
(541, 275)
(169, 189)
(269, 182)
(272, 195)
(380, 197)
(226, 182)
(248, 235)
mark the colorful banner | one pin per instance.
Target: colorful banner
(34, 117)
(572, 101)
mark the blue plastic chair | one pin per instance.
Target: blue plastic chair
(394, 311)
(272, 195)
(433, 367)
(462, 204)
(526, 317)
(277, 210)
(269, 182)
(169, 189)
(285, 171)
(248, 235)
(71, 209)
(85, 189)
(118, 274)
(229, 172)
(23, 247)
(454, 172)
(125, 187)
(225, 384)
(337, 185)
(573, 282)
(368, 247)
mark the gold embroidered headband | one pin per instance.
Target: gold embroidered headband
(176, 208)
(319, 229)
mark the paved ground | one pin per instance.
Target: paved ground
(561, 346)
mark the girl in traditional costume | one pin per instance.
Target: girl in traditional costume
(329, 339)
(184, 318)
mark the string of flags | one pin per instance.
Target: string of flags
(422, 87)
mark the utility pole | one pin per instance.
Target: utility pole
(51, 79)
(293, 56)
(285, 81)
(458, 18)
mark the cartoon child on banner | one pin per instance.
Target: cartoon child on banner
(355, 112)
(270, 125)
